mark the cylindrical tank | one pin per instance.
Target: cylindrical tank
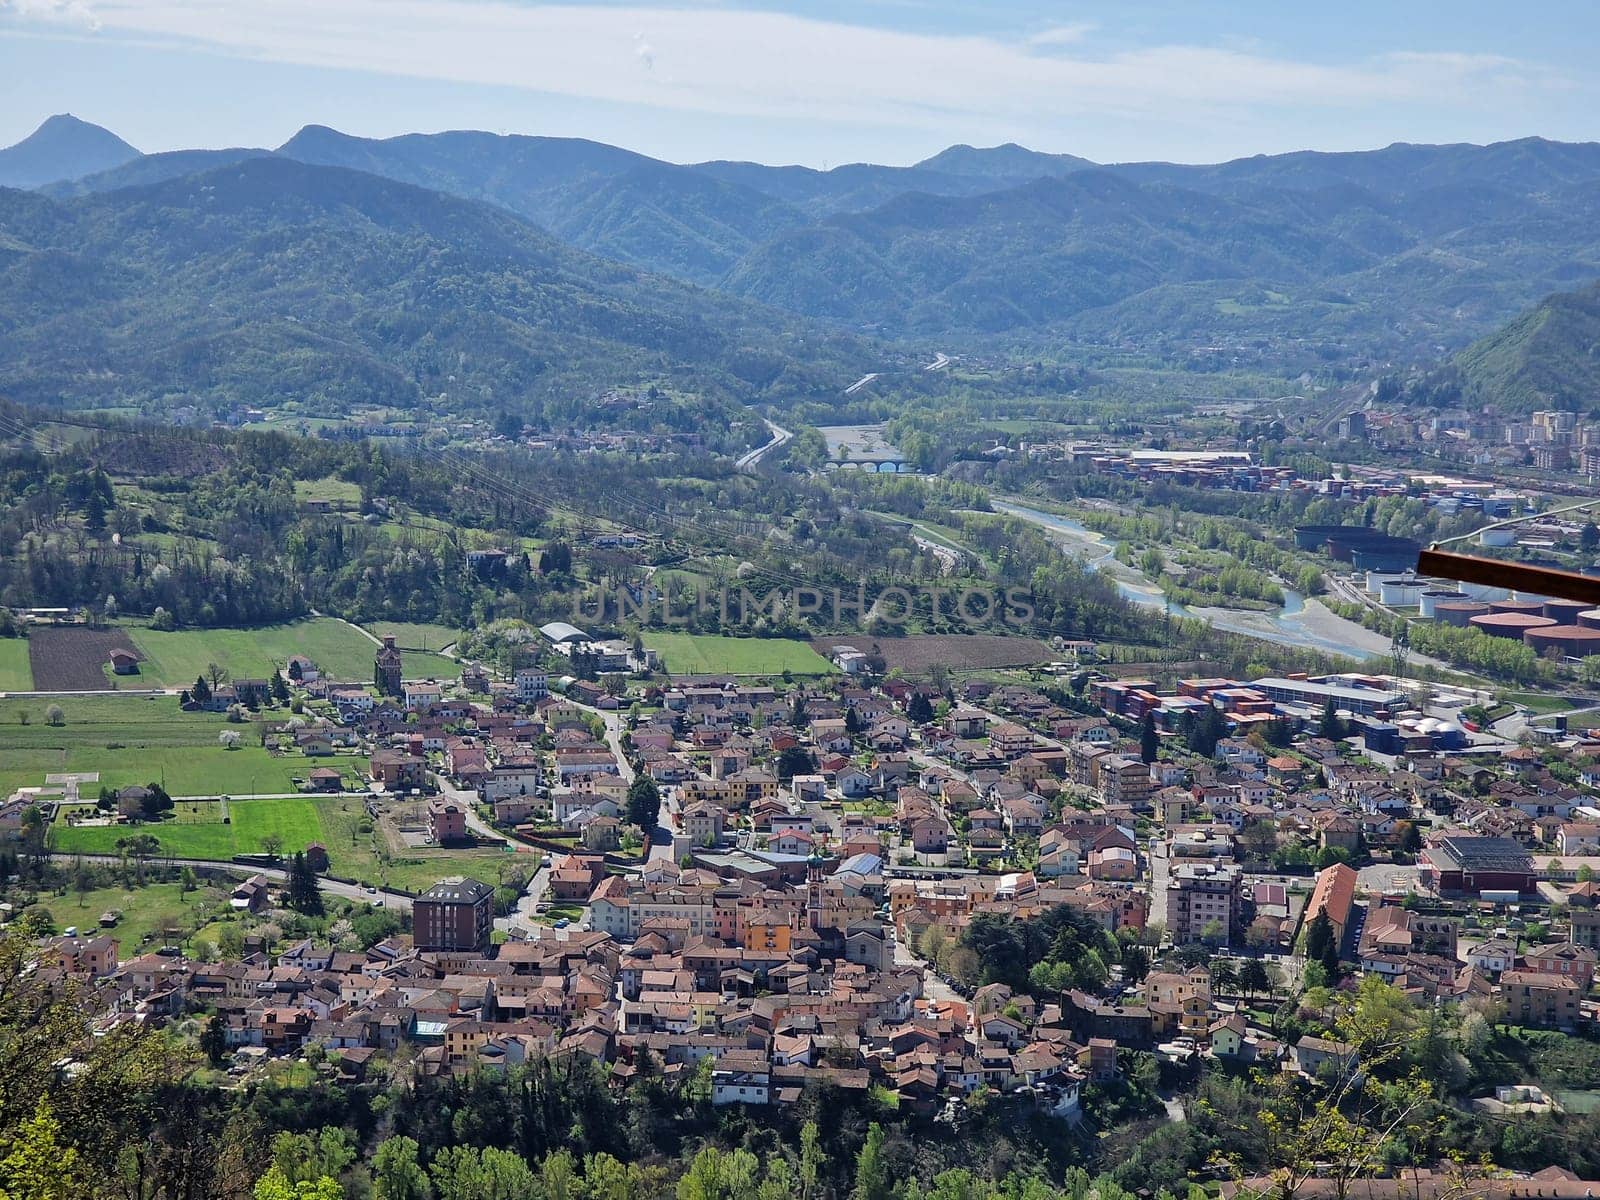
(1402, 592)
(1376, 579)
(1509, 624)
(1580, 641)
(1531, 608)
(1388, 554)
(1433, 596)
(1459, 612)
(1565, 612)
(1591, 618)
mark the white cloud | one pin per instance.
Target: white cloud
(770, 64)
(72, 12)
(1062, 35)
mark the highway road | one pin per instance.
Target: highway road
(748, 460)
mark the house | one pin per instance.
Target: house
(703, 823)
(447, 822)
(1536, 998)
(251, 896)
(853, 783)
(422, 695)
(1312, 1055)
(325, 779)
(124, 662)
(398, 771)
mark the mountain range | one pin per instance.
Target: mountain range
(1390, 254)
(267, 279)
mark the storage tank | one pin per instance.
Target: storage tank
(1432, 596)
(1376, 580)
(1509, 624)
(1458, 612)
(1530, 608)
(1580, 641)
(1565, 612)
(1401, 592)
(1591, 618)
(1385, 554)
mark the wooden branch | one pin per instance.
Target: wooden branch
(1517, 577)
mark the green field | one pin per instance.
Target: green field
(15, 674)
(415, 635)
(342, 652)
(339, 822)
(333, 491)
(195, 829)
(710, 654)
(145, 911)
(134, 739)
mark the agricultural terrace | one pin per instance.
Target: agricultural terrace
(711, 654)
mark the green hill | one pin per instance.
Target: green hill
(1549, 357)
(270, 279)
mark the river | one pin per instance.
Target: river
(1297, 623)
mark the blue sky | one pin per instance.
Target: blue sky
(820, 83)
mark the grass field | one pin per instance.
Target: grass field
(413, 635)
(15, 675)
(339, 822)
(333, 491)
(710, 654)
(145, 911)
(342, 651)
(195, 829)
(134, 739)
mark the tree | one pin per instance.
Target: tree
(1330, 727)
(38, 1165)
(1135, 964)
(215, 675)
(396, 1174)
(920, 709)
(228, 739)
(1410, 837)
(644, 802)
(794, 760)
(1589, 538)
(1224, 975)
(55, 716)
(214, 1039)
(188, 881)
(1149, 739)
(275, 1185)
(1253, 979)
(872, 1170)
(302, 893)
(280, 689)
(201, 691)
(272, 845)
(813, 1161)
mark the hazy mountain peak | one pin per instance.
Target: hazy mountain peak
(1006, 161)
(63, 147)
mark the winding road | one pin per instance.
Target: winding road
(780, 436)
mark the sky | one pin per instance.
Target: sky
(819, 83)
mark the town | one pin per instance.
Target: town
(787, 880)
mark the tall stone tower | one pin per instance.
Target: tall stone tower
(386, 671)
